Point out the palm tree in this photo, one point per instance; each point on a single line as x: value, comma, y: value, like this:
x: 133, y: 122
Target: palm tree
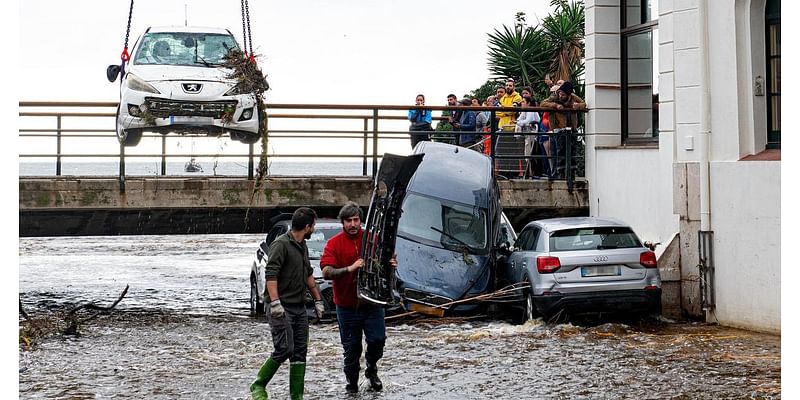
x: 522, y: 54
x: 555, y: 46
x: 564, y: 30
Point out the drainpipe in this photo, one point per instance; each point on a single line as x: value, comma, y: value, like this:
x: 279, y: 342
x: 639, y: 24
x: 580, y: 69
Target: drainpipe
x: 705, y: 236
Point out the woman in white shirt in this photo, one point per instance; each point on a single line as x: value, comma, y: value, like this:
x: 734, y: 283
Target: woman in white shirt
x: 528, y: 122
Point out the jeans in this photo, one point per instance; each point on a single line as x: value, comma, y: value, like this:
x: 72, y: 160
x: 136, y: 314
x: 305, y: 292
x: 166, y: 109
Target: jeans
x: 290, y: 334
x: 369, y: 320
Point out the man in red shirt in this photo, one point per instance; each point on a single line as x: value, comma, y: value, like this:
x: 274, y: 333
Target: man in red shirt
x: 340, y: 262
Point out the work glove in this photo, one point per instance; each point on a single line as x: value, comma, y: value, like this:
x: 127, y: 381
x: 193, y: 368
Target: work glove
x: 319, y: 308
x: 276, y: 309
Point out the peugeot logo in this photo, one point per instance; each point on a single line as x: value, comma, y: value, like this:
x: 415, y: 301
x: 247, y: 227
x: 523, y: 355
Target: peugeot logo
x: 192, y: 87
x: 601, y: 258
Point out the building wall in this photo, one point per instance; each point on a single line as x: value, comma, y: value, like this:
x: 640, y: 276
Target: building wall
x: 746, y: 220
x: 656, y: 189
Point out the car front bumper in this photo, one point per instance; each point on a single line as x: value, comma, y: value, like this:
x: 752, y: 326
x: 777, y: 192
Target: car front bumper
x: 164, y: 115
x: 596, y: 302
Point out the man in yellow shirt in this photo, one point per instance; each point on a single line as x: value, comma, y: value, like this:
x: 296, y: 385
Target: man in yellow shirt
x: 508, y: 100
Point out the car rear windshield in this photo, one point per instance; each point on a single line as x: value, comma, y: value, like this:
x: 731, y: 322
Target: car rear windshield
x: 316, y: 243
x: 184, y: 48
x: 599, y: 238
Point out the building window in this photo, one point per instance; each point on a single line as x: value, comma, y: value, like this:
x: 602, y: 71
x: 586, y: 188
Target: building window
x: 773, y: 35
x: 639, y: 40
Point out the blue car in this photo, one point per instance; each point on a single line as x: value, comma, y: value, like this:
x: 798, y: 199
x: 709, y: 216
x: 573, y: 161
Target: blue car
x: 451, y: 231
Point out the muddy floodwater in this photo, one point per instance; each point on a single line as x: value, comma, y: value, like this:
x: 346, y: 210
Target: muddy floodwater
x: 183, y: 331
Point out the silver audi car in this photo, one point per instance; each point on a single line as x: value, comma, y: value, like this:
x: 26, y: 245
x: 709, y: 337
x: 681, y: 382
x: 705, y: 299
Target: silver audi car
x: 581, y: 265
x: 175, y: 82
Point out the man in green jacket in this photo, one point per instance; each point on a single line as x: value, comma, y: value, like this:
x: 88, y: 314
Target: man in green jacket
x: 289, y: 273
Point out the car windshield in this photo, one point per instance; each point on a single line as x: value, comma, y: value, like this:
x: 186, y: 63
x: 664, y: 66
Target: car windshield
x: 443, y: 223
x: 183, y: 48
x: 316, y: 243
x: 599, y: 238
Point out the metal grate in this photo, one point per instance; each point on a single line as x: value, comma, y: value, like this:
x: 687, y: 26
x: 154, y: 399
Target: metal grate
x: 163, y: 108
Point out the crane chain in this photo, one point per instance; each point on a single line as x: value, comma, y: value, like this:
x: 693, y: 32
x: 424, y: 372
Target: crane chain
x: 244, y: 30
x: 125, y: 55
x: 249, y: 37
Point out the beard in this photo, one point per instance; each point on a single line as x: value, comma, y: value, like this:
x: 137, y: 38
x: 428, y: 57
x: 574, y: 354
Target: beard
x: 307, y: 235
x: 353, y: 231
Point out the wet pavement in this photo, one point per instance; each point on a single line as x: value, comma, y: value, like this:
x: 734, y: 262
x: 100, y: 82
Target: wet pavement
x: 183, y: 332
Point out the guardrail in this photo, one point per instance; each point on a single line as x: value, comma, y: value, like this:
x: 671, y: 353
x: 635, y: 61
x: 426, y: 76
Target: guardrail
x: 370, y: 128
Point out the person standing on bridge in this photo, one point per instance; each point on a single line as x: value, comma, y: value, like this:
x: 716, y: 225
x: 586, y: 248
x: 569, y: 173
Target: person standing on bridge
x: 420, y: 122
x: 340, y: 262
x: 289, y: 273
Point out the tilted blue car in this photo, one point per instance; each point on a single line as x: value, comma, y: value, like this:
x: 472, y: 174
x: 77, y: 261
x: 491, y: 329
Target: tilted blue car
x: 450, y: 232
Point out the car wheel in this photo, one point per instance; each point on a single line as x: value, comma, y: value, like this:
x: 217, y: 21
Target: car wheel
x: 128, y: 137
x: 529, y: 310
x: 256, y: 307
x: 530, y: 307
x: 246, y: 138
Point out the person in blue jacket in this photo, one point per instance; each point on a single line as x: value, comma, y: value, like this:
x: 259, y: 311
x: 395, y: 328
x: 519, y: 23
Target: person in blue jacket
x: 420, y: 122
x: 466, y: 123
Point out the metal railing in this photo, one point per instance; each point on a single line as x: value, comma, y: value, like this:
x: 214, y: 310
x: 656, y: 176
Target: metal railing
x: 373, y: 127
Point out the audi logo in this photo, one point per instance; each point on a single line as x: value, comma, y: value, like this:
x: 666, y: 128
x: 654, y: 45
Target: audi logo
x: 601, y: 258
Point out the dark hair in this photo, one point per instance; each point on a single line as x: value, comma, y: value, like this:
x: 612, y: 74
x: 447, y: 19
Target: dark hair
x: 349, y: 210
x: 528, y: 88
x: 566, y: 87
x: 530, y: 101
x: 303, y: 217
x: 420, y: 95
x: 452, y: 95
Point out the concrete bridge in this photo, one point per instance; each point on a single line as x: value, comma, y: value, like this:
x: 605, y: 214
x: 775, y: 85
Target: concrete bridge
x: 62, y: 206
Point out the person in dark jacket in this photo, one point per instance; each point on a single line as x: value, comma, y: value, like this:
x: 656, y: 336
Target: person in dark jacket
x: 289, y: 273
x: 466, y: 123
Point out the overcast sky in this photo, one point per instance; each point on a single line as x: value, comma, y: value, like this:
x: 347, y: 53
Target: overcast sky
x: 313, y: 51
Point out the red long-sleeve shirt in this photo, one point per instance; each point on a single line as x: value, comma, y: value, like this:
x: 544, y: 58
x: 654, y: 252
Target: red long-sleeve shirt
x: 341, y: 251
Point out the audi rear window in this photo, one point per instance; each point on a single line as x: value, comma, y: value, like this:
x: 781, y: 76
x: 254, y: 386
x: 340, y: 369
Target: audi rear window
x: 600, y: 238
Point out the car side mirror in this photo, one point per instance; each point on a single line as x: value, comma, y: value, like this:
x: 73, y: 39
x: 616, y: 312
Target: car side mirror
x: 505, y: 249
x: 112, y: 72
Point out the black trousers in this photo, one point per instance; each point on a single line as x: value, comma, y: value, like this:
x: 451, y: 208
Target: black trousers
x: 290, y: 334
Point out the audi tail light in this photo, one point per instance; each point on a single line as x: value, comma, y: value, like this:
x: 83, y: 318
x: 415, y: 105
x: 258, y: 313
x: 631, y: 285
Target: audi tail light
x: 648, y: 259
x: 547, y: 264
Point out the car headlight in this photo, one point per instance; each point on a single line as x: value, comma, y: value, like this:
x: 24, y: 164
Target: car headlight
x: 236, y: 89
x: 138, y: 84
x: 246, y: 114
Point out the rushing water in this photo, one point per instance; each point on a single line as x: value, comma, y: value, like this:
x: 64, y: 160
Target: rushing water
x: 183, y: 331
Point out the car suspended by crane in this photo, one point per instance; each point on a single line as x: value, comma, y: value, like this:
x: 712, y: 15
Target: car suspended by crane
x: 181, y: 79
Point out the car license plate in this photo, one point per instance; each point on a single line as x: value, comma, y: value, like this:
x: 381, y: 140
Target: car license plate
x: 603, y: 270
x: 191, y: 120
x: 436, y: 312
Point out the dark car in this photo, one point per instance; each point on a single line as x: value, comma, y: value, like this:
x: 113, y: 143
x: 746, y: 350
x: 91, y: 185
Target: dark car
x: 583, y: 265
x: 323, y: 230
x: 450, y: 232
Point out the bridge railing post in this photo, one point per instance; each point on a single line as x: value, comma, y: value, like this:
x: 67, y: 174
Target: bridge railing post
x: 58, y: 145
x: 163, y: 155
x: 366, y: 147
x: 374, y: 142
x: 250, y: 155
x: 121, y: 167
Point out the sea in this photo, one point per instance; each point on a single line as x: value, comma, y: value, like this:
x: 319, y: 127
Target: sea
x: 209, y: 168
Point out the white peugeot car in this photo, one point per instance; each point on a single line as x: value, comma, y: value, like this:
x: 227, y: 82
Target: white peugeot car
x: 175, y: 82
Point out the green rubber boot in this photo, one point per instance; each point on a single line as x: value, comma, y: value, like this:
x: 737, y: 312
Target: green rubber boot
x: 297, y: 379
x: 258, y: 390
